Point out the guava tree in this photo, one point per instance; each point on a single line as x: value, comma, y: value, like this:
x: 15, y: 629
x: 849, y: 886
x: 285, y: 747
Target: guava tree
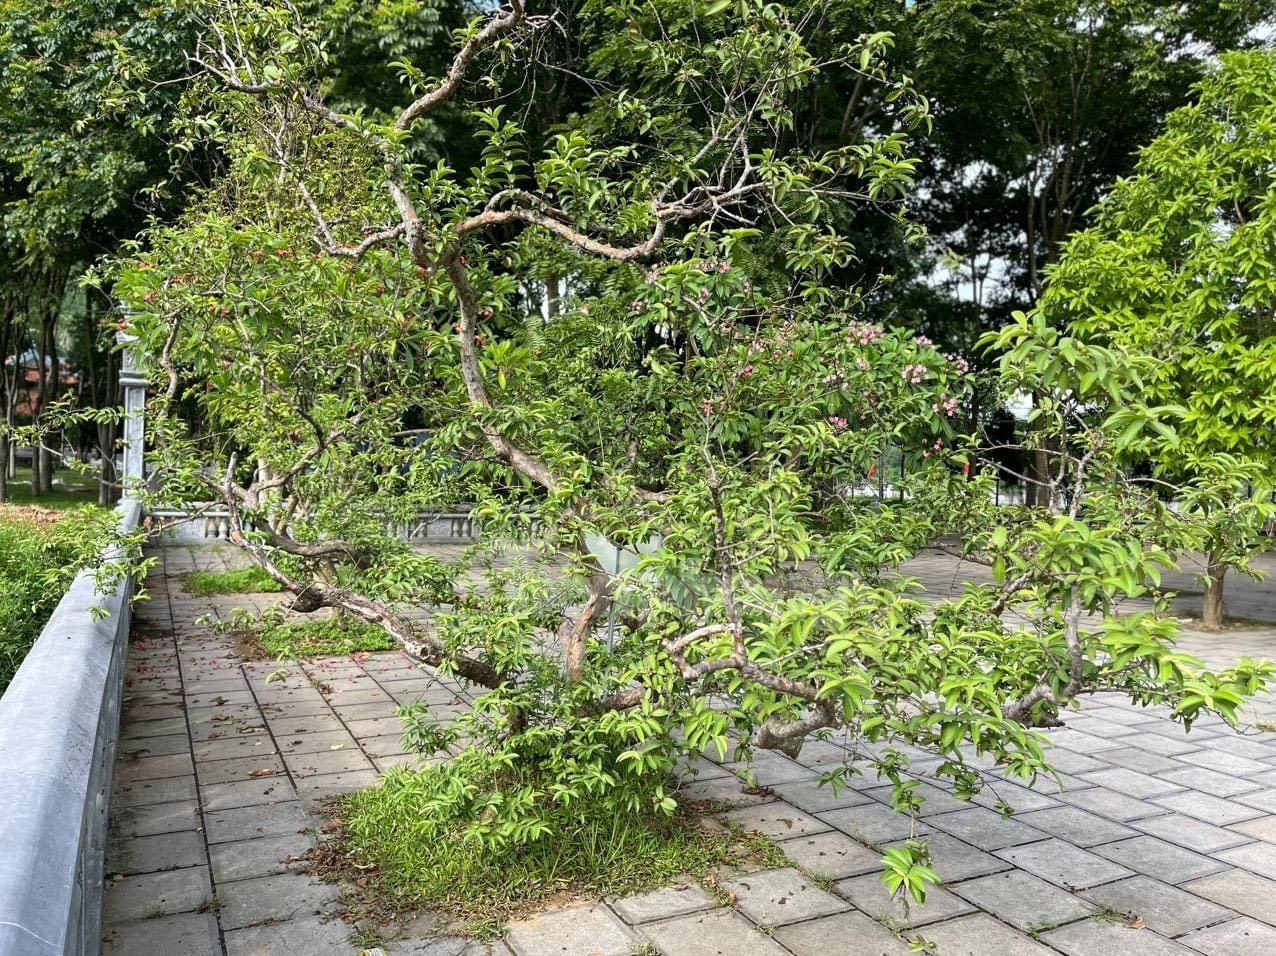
x: 1181, y: 265
x: 342, y: 338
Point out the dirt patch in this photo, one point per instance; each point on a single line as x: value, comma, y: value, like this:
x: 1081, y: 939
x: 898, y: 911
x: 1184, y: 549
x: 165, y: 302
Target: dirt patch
x: 42, y: 518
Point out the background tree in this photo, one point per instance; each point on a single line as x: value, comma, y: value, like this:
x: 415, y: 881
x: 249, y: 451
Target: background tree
x: 1181, y: 264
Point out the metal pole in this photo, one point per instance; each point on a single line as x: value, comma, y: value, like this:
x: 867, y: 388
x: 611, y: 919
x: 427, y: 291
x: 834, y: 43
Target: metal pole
x: 133, y: 381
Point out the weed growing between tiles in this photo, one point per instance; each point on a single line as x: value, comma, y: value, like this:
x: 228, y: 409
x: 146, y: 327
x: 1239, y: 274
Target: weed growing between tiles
x: 411, y: 844
x: 251, y: 580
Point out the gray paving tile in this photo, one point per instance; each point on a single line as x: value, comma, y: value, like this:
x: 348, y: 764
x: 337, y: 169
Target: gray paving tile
x: 129, y: 856
x: 586, y: 928
x: 255, y: 767
x: 1165, y: 909
x: 1207, y: 808
x: 670, y: 901
x: 1099, y: 938
x: 1259, y: 858
x: 263, y: 856
x: 307, y: 936
x: 1076, y: 826
x: 831, y: 855
x: 1131, y: 783
x: 979, y: 935
x: 842, y: 934
x: 1022, y: 900
x: 953, y: 860
x: 870, y: 896
x: 190, y: 934
x: 1192, y: 833
x: 1240, y: 937
x: 270, y: 898
x: 776, y: 897
x: 246, y: 823
x: 246, y: 793
x: 157, y: 894
x: 142, y: 793
x: 326, y: 762
x: 813, y: 798
x: 1114, y: 806
x: 1064, y: 864
x: 985, y: 829
x: 1155, y: 857
x: 873, y: 823
x: 1144, y: 761
x: 1210, y: 781
x: 778, y: 821
x: 1238, y: 890
x: 155, y: 818
x: 720, y: 932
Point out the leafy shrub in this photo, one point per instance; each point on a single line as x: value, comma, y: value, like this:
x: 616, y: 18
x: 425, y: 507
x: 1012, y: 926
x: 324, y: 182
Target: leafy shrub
x: 39, y: 556
x: 330, y: 637
x: 251, y: 580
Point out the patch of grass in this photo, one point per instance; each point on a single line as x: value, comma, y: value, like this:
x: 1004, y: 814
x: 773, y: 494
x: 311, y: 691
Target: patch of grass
x: 250, y: 580
x: 328, y: 637
x: 392, y: 847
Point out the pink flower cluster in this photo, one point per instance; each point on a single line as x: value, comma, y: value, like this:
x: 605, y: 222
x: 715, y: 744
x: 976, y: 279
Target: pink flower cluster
x: 637, y: 306
x: 913, y: 373
x: 721, y: 268
x: 864, y: 333
x: 934, y: 449
x: 947, y: 405
x: 839, y: 424
x: 923, y: 340
x: 958, y: 362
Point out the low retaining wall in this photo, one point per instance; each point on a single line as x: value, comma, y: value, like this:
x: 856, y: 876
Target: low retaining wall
x: 59, y: 726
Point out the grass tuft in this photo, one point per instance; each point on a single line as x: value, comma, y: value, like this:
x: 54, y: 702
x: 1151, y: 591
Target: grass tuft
x: 328, y: 637
x: 251, y: 580
x: 392, y: 845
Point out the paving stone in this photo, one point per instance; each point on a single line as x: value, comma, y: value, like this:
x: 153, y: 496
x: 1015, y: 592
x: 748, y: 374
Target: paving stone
x: 133, y: 727
x: 328, y: 785
x: 1238, y: 890
x: 777, y: 821
x: 158, y: 746
x: 873, y: 823
x: 143, y: 793
x: 285, y: 725
x: 256, y: 767
x: 953, y: 859
x: 1020, y: 799
x: 1224, y: 762
x: 1076, y: 826
x: 870, y: 896
x: 1069, y: 761
x: 663, y: 903
x: 842, y: 934
x: 313, y: 743
x: 1211, y: 781
x: 1259, y: 858
x: 302, y: 937
x: 728, y: 789
x: 1165, y: 909
x: 157, y: 894
x: 980, y: 935
x: 448, y: 946
x: 190, y: 934
x: 830, y: 855
x: 1239, y: 937
x: 1192, y: 833
x: 388, y: 745
x: 1263, y: 828
x: 263, y: 856
x: 1022, y: 900
x: 776, y: 897
x: 720, y: 932
x: 246, y: 823
x: 1209, y: 808
x: 1091, y: 937
x: 1264, y: 800
x: 587, y: 928
x: 1144, y: 761
x: 1131, y: 783
x: 1064, y: 864
x: 129, y: 856
x: 285, y: 897
x: 246, y: 793
x: 1114, y: 806
x: 234, y: 746
x: 156, y: 818
x: 326, y: 762
x: 1082, y: 743
x: 985, y: 828
x: 935, y: 800
x: 1155, y: 857
x: 808, y: 795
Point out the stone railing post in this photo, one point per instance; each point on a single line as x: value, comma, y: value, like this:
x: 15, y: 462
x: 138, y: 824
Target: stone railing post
x: 133, y: 382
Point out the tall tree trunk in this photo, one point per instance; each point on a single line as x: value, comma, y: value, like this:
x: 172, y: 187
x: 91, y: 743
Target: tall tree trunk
x: 53, y: 382
x: 1212, y: 614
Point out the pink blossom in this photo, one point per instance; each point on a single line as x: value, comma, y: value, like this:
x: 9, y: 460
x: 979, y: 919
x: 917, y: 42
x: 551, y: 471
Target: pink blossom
x: 839, y: 424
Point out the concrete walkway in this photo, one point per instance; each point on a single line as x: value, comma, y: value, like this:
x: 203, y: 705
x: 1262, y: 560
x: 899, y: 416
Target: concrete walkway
x: 1158, y: 842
